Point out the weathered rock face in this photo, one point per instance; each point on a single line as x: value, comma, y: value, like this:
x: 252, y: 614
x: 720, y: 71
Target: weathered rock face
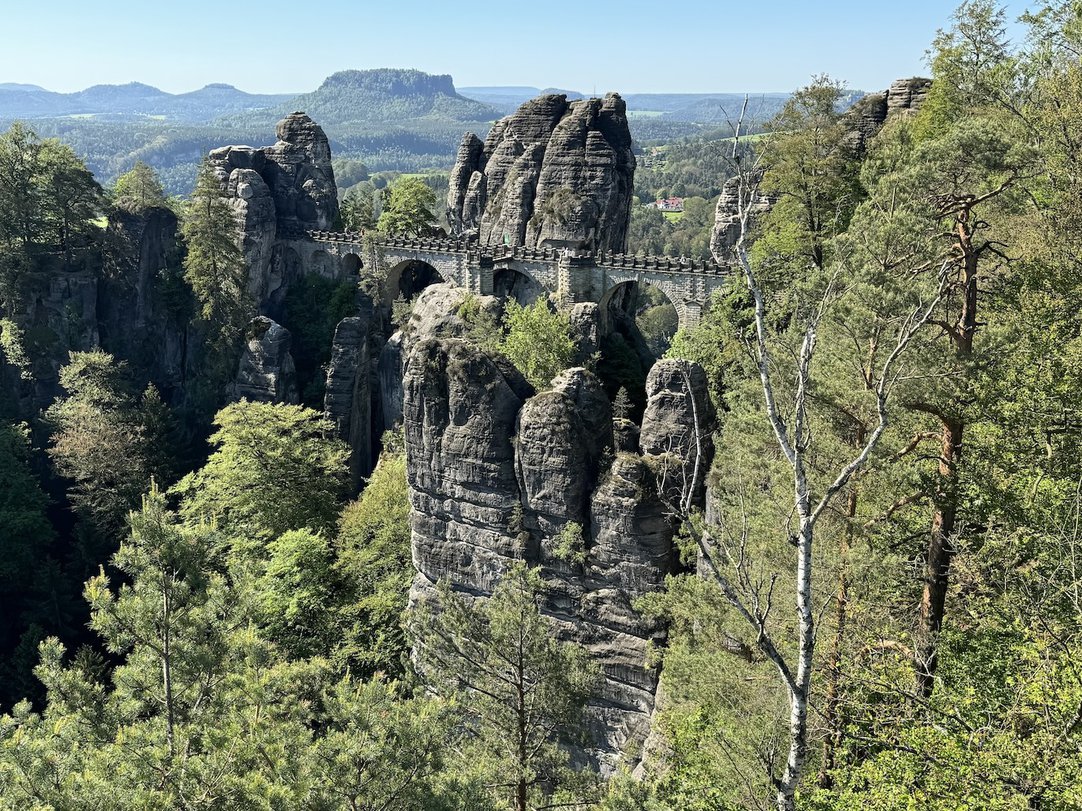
x: 266, y: 372
x: 349, y: 394
x: 389, y: 369
x: 677, y: 430
x: 499, y: 473
x: 554, y: 173
x: 434, y: 315
x: 275, y: 191
x: 905, y: 96
x: 126, y: 298
x: 60, y: 316
x: 135, y: 317
x: 256, y: 214
x: 865, y: 119
x: 300, y: 176
x: 561, y: 436
x: 459, y: 417
x: 466, y: 203
x: 869, y: 114
x: 727, y: 217
x: 586, y: 330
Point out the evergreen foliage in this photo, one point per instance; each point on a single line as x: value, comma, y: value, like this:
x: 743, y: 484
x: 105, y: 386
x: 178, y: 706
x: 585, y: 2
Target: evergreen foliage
x: 374, y: 556
x: 214, y: 266
x: 275, y: 468
x: 138, y: 190
x: 48, y: 203
x: 524, y: 688
x: 108, y: 439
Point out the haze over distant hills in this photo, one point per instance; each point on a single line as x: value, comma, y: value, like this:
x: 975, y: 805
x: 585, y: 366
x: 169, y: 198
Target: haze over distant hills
x: 131, y: 100
x: 392, y: 119
x: 697, y: 108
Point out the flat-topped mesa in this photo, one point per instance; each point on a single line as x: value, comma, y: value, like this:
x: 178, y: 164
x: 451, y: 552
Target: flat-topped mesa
x: 552, y: 174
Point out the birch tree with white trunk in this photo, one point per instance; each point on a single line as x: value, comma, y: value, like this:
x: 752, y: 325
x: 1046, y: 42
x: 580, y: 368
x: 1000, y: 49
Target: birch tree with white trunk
x: 723, y: 553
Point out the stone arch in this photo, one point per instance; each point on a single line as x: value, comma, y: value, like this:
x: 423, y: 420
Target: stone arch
x: 654, y: 308
x: 323, y: 264
x: 513, y: 282
x: 351, y: 265
x: 409, y: 277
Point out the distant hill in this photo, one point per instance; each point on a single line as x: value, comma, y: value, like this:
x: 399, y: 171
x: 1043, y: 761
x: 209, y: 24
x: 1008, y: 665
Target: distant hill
x: 507, y: 99
x: 707, y: 108
x: 391, y: 119
x: 659, y: 115
x: 16, y: 86
x: 132, y: 101
x: 361, y: 98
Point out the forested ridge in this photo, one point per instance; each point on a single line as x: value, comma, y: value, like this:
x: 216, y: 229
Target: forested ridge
x: 878, y: 608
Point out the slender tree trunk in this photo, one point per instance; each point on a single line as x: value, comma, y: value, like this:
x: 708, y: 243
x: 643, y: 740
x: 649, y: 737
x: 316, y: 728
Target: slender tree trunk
x: 800, y: 689
x: 832, y: 710
x: 940, y: 552
x: 940, y: 542
x: 521, y: 743
x: 167, y: 674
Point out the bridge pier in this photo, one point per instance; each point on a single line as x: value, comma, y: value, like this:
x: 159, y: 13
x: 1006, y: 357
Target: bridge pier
x: 481, y: 277
x: 692, y: 315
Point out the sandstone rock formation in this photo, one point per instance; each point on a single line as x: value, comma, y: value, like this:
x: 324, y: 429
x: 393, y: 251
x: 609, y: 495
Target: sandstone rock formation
x: 870, y: 113
x: 349, y: 390
x: 586, y: 330
x: 905, y: 96
x: 126, y: 307
x: 727, y: 216
x: 276, y: 191
x: 554, y: 173
x: 434, y: 315
x: 300, y: 176
x: 864, y: 119
x: 266, y: 372
x: 136, y: 317
x: 499, y: 473
x: 677, y: 431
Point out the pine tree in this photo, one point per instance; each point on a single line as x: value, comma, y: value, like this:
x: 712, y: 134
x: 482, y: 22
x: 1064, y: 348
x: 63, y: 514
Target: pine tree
x: 108, y: 438
x: 214, y: 265
x: 524, y: 688
x: 139, y: 189
x: 169, y: 619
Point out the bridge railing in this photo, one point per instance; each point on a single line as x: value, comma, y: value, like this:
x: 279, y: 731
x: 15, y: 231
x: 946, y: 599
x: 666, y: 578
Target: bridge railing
x: 661, y: 264
x: 474, y: 252
x: 441, y: 245
x: 526, y: 254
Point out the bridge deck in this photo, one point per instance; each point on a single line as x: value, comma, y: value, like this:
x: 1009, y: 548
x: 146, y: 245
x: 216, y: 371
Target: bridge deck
x: 447, y: 245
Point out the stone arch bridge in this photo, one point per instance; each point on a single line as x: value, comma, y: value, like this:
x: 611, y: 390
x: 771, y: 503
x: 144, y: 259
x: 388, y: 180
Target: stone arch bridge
x: 572, y: 276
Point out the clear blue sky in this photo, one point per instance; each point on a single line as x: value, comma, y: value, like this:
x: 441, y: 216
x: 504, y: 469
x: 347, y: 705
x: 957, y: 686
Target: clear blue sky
x: 630, y: 46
